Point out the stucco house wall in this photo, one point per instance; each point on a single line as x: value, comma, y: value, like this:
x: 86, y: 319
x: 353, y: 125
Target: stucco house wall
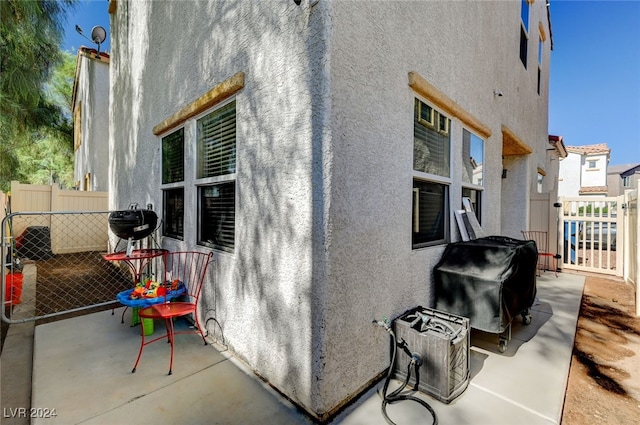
x: 324, y: 160
x: 570, y: 176
x: 595, y: 176
x: 91, y: 120
x: 621, y: 178
x: 584, y: 171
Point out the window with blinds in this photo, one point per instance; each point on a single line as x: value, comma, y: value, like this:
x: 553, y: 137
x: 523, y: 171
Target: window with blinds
x: 217, y: 162
x: 430, y: 143
x: 431, y: 155
x: 173, y: 157
x: 430, y: 214
x: 172, y: 196
x: 217, y: 216
x: 217, y: 142
x: 173, y: 210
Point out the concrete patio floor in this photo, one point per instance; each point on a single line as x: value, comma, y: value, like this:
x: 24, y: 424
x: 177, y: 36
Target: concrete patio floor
x: 82, y: 369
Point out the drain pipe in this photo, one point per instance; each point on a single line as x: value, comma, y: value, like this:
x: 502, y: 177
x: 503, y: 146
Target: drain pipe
x: 415, y: 363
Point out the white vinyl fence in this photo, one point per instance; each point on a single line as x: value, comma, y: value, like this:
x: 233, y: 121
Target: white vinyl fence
x: 632, y: 242
x: 27, y: 198
x: 593, y: 234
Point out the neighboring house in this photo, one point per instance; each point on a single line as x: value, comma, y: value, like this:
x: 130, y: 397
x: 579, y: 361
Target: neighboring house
x: 584, y: 171
x: 90, y: 105
x: 320, y: 151
x: 622, y: 177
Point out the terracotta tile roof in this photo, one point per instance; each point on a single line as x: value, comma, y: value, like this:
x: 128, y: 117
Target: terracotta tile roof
x: 589, y: 149
x: 558, y: 144
x: 93, y: 53
x: 593, y: 189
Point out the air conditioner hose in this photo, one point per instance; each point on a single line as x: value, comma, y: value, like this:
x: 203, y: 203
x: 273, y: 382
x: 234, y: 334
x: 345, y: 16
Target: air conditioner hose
x: 395, y: 396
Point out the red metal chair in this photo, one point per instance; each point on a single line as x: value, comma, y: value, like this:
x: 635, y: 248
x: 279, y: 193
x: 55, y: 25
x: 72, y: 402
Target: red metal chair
x: 542, y: 244
x: 190, y: 268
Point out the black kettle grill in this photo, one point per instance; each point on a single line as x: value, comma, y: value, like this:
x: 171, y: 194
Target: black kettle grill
x: 132, y: 224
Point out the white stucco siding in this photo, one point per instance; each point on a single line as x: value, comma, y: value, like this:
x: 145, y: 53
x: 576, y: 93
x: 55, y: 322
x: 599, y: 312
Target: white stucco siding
x: 596, y: 176
x: 324, y: 161
x: 92, y: 96
x: 167, y: 54
x: 525, y: 112
x: 466, y: 50
x: 570, y: 175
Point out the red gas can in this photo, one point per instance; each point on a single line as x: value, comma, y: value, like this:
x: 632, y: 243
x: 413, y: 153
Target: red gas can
x: 13, y: 288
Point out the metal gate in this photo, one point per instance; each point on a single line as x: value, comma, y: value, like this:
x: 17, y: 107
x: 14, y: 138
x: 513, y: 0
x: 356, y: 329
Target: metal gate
x: 632, y: 242
x: 53, y: 265
x: 592, y: 236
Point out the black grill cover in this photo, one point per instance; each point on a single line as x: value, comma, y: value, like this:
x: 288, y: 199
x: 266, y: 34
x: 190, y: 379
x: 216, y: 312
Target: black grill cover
x: 488, y: 280
x: 35, y: 243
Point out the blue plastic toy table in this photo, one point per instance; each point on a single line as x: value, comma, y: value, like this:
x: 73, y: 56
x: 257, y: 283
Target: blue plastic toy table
x: 136, y: 304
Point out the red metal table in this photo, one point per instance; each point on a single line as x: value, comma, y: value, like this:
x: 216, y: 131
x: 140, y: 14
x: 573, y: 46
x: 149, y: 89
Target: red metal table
x: 138, y: 259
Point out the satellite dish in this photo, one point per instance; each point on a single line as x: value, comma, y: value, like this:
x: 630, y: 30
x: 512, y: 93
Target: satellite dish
x: 98, y: 34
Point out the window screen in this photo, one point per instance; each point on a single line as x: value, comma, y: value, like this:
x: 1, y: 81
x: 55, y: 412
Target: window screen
x: 217, y: 142
x: 173, y: 157
x: 430, y: 145
x: 430, y: 215
x: 217, y: 216
x: 173, y: 207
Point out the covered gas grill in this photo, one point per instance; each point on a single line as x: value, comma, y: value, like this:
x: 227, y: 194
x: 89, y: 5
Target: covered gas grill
x: 489, y: 280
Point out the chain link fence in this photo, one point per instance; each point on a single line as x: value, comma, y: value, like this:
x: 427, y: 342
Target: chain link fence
x: 54, y: 267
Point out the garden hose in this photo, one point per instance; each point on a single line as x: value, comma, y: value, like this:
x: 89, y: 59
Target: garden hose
x: 396, y: 395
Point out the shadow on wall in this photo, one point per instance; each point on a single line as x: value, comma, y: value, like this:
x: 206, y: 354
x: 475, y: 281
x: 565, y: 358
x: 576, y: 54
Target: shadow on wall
x: 281, y: 210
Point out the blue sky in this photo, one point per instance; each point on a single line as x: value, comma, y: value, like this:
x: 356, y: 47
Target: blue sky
x: 595, y: 75
x: 595, y: 70
x: 87, y: 14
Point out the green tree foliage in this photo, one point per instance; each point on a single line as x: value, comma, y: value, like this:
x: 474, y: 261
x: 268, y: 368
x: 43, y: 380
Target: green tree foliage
x: 30, y: 35
x: 47, y: 155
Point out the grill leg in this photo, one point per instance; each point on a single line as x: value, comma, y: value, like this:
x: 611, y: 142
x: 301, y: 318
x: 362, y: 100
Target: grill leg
x: 505, y: 337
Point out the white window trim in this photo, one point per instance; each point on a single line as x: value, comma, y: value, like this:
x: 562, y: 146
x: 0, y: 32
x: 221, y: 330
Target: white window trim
x: 199, y: 183
x: 175, y: 185
x: 434, y: 178
x: 458, y: 118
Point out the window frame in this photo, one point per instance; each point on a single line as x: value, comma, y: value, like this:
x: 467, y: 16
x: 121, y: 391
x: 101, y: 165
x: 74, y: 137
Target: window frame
x: 167, y: 225
x: 425, y: 92
x: 540, y: 54
x: 230, y: 248
x: 162, y: 170
x: 477, y: 205
x: 445, y: 215
x: 539, y: 182
x: 172, y: 186
x: 478, y: 188
x: 425, y: 178
x: 524, y: 31
x: 437, y: 131
x: 525, y: 14
x: 202, y: 183
x: 472, y: 135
